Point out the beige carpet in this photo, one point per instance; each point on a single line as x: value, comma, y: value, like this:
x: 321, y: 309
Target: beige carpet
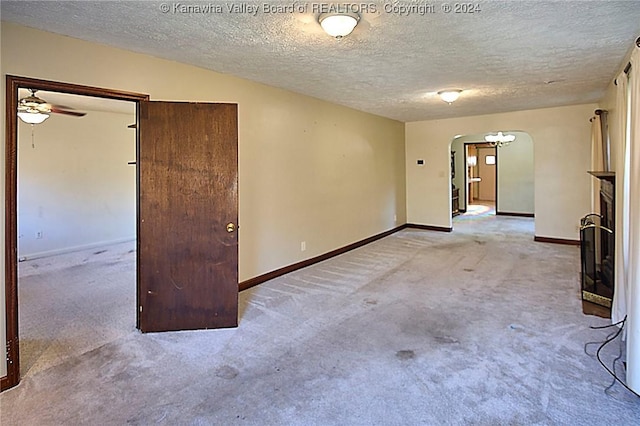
x: 73, y: 303
x: 479, y: 326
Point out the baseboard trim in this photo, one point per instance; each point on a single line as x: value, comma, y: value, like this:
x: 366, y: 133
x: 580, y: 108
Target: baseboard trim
x: 252, y: 282
x: 4, y: 383
x: 515, y: 214
x: 429, y: 227
x: 556, y: 241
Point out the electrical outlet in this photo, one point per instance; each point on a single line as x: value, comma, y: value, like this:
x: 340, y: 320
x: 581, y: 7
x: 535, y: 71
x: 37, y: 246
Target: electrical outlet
x: 38, y: 235
x: 303, y: 246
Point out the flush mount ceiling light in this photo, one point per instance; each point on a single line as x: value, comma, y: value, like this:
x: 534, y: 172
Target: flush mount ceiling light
x: 338, y: 25
x: 450, y: 95
x: 500, y: 139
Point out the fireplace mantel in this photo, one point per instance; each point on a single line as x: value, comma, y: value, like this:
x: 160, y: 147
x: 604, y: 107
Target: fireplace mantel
x: 608, y: 176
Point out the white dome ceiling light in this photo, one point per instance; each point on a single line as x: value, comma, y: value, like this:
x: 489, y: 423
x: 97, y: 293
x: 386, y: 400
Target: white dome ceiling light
x: 338, y: 25
x: 450, y: 95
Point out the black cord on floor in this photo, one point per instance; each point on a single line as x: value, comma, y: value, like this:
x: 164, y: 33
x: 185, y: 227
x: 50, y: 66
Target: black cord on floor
x: 616, y: 359
x: 609, y: 339
x: 600, y: 327
x: 593, y: 327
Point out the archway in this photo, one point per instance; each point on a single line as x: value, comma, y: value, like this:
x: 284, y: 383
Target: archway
x: 514, y: 172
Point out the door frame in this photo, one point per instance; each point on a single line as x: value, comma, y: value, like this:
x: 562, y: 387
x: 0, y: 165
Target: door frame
x: 13, y: 83
x: 479, y: 150
x: 466, y: 175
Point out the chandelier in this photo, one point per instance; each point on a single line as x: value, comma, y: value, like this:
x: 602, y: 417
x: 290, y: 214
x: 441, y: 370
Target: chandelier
x: 500, y: 139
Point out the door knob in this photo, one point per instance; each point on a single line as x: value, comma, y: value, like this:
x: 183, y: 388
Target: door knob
x: 231, y: 227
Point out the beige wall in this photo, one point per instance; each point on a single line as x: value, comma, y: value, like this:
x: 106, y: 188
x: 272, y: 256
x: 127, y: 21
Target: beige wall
x: 561, y: 144
x: 75, y: 186
x: 308, y: 170
x: 516, y: 176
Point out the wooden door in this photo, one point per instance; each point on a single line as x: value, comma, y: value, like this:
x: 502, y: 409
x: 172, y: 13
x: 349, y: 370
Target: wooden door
x: 188, y: 210
x: 487, y: 172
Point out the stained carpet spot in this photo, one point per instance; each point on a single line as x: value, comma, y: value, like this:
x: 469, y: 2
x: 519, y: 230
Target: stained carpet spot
x: 227, y: 372
x: 405, y: 355
x: 445, y: 339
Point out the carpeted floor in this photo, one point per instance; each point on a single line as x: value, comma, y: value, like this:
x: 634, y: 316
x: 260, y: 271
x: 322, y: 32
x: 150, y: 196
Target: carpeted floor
x: 478, y: 326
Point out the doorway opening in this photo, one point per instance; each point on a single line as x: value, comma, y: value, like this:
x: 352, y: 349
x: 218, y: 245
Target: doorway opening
x: 480, y: 176
x: 187, y: 278
x: 14, y: 84
x: 490, y: 178
x: 76, y: 228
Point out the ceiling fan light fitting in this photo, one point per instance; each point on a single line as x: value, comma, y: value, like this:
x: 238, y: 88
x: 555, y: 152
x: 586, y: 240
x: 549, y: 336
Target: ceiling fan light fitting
x: 32, y: 103
x: 32, y: 117
x: 34, y: 110
x: 338, y: 25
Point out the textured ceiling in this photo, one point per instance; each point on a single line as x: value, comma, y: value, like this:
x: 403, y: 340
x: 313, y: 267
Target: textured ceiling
x: 507, y: 55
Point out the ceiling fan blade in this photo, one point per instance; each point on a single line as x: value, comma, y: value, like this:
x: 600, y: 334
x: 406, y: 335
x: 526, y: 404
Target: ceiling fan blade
x: 67, y: 112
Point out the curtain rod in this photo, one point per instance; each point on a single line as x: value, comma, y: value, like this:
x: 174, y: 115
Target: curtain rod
x: 626, y: 71
x: 602, y: 112
x: 628, y: 67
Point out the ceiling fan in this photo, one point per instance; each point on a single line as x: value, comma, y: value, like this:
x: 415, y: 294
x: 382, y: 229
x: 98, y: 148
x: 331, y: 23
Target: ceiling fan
x: 34, y: 110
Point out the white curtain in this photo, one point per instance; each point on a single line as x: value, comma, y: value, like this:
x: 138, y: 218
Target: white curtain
x: 633, y: 238
x: 619, y: 305
x: 597, y: 162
